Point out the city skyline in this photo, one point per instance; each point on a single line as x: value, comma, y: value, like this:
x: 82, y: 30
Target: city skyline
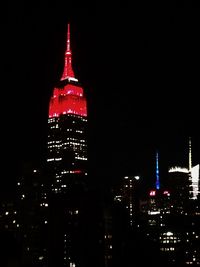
x: 133, y: 68
x: 100, y: 137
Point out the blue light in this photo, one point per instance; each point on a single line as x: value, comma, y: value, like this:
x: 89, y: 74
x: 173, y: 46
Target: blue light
x: 157, y: 173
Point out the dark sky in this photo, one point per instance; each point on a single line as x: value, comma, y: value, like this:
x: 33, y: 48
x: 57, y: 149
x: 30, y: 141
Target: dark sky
x: 139, y: 66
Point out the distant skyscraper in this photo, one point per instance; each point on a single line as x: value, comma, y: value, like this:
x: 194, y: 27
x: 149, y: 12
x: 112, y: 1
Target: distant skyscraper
x: 127, y: 195
x: 157, y: 173
x: 32, y: 217
x: 67, y: 165
x: 190, y: 168
x: 193, y: 175
x: 179, y: 186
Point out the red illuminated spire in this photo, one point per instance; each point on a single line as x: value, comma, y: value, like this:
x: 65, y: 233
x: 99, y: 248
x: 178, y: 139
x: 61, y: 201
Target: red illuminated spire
x: 68, y: 71
x: 68, y: 98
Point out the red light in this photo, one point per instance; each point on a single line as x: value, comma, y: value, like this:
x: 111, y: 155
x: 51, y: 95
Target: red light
x: 152, y: 193
x: 68, y: 100
x: 68, y: 71
x: 166, y: 193
x: 77, y: 171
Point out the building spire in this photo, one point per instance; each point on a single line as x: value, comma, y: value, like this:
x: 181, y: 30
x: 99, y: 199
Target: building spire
x: 68, y: 71
x: 190, y: 154
x: 157, y: 173
x: 68, y: 38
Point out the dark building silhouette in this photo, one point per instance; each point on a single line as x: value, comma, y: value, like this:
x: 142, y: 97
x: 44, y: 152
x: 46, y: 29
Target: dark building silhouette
x: 10, y: 246
x: 32, y: 217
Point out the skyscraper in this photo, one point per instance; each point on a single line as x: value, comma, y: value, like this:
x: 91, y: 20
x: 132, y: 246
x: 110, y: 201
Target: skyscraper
x: 157, y: 173
x: 67, y: 165
x: 67, y: 123
x: 32, y: 217
x: 193, y: 172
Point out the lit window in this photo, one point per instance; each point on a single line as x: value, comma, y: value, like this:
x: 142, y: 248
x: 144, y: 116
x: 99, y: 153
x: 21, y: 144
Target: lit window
x: 169, y: 233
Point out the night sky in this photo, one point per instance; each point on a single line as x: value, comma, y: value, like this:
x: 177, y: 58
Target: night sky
x: 139, y: 66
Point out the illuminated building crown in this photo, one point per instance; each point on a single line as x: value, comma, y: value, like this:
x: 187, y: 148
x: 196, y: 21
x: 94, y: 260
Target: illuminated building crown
x: 68, y: 96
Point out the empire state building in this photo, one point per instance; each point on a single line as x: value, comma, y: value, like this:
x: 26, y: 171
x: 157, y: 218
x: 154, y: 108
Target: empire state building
x: 67, y: 165
x: 67, y: 128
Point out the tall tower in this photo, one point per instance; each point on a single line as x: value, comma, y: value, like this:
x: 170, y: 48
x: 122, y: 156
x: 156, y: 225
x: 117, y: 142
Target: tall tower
x: 67, y: 123
x: 67, y: 165
x: 157, y: 173
x: 194, y: 175
x: 190, y: 168
x: 190, y: 154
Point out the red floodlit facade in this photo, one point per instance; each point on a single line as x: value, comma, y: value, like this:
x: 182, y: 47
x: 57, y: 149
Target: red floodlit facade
x: 68, y: 100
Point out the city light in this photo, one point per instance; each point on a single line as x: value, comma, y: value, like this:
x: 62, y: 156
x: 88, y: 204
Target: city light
x: 152, y: 193
x: 178, y: 169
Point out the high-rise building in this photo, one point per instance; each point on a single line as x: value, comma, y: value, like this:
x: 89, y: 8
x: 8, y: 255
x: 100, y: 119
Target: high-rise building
x: 31, y: 216
x: 121, y: 213
x: 9, y: 233
x: 157, y: 173
x: 67, y: 123
x: 195, y: 174
x: 179, y: 185
x: 128, y: 196
x: 184, y: 183
x: 67, y: 165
